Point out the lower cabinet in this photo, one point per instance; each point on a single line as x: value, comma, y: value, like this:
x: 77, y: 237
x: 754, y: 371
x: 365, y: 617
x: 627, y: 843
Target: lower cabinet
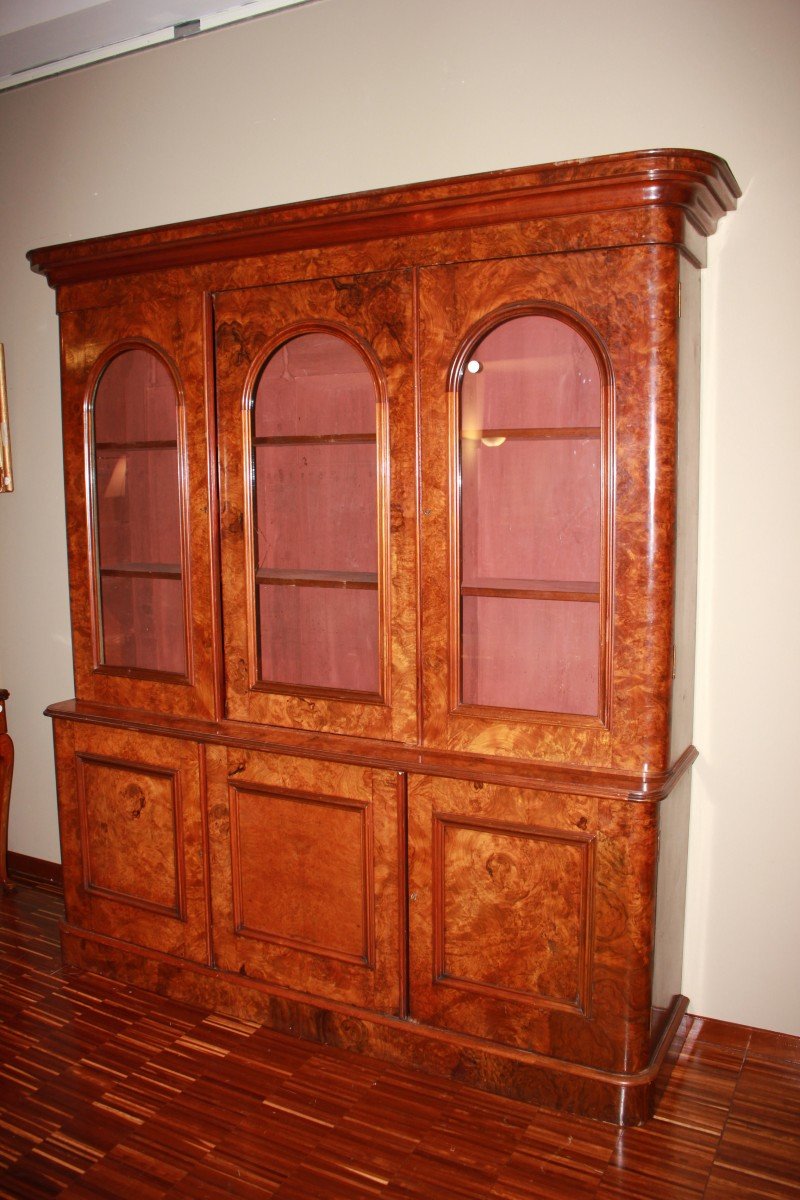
x: 306, y: 875
x: 132, y: 838
x: 495, y: 933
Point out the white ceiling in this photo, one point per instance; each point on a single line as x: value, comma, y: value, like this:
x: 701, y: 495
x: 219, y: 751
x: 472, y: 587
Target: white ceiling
x: 43, y: 37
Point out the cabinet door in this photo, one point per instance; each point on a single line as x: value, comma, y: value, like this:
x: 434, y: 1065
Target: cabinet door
x: 530, y: 918
x: 137, y: 506
x: 316, y: 431
x: 546, y: 402
x: 305, y: 870
x: 132, y: 839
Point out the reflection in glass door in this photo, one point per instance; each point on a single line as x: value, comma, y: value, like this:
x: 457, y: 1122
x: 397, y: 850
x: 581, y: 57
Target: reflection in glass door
x: 315, y: 520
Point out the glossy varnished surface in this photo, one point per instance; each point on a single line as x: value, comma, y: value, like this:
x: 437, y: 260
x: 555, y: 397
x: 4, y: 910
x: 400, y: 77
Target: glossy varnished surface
x: 108, y: 1092
x: 176, y: 328
x: 684, y: 192
x: 235, y: 841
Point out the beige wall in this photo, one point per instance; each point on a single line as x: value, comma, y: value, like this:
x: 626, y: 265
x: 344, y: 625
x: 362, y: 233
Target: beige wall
x: 342, y: 95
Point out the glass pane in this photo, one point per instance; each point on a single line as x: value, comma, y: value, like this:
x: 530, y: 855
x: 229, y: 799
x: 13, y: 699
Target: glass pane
x: 532, y: 654
x: 319, y: 636
x: 531, y: 518
x: 531, y: 509
x: 315, y: 384
x: 316, y: 507
x: 316, y: 517
x: 137, y: 515
x: 531, y: 372
x: 143, y: 622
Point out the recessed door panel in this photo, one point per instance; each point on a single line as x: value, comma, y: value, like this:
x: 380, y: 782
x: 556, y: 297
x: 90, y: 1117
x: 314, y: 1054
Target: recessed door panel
x: 530, y: 918
x: 306, y: 875
x: 131, y: 830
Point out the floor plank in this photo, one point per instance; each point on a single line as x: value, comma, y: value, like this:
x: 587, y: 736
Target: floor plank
x: 107, y: 1093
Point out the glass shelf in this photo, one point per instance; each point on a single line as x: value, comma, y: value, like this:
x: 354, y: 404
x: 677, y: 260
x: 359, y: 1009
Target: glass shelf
x: 535, y: 589
x: 141, y: 570
x: 325, y: 579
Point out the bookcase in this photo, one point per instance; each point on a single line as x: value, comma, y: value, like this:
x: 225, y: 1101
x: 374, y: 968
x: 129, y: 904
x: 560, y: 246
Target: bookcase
x: 382, y: 541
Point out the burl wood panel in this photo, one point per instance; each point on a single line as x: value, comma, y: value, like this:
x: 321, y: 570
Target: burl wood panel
x: 306, y: 875
x: 311, y: 847
x: 138, y: 808
x: 176, y: 329
x: 511, y: 910
x: 375, y: 313
x: 531, y: 919
x: 629, y: 300
x: 132, y: 837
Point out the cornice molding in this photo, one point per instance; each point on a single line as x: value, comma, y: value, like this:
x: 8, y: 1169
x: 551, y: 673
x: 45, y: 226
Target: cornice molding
x: 699, y: 185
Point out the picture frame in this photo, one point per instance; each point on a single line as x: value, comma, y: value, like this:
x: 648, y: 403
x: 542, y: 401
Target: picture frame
x: 6, y: 469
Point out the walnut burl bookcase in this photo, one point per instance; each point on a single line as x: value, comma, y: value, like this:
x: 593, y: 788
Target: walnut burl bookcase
x: 382, y: 541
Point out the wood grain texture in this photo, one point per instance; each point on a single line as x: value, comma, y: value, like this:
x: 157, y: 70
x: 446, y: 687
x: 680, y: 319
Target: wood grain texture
x: 305, y: 875
x: 560, y: 885
x: 89, y: 340
x: 375, y: 312
x: 132, y: 838
x: 629, y: 299
x: 649, y: 787
x: 693, y: 188
x: 366, y: 859
x: 107, y: 1091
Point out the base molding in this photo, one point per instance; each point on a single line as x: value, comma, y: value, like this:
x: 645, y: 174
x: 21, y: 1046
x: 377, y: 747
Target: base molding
x: 522, y: 1075
x: 39, y: 871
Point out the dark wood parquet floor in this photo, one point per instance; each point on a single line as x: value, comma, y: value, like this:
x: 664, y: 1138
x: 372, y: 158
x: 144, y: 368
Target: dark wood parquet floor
x: 108, y: 1092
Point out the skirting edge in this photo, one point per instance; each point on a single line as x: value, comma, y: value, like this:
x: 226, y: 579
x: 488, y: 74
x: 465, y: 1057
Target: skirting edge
x: 522, y: 1075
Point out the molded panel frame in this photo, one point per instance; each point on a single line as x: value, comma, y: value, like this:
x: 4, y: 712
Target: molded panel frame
x: 365, y: 883
x: 371, y: 976
x: 103, y: 362
x: 134, y: 797
x: 582, y: 846
x: 173, y: 327
x: 375, y: 313
x: 635, y: 336
x: 179, y: 925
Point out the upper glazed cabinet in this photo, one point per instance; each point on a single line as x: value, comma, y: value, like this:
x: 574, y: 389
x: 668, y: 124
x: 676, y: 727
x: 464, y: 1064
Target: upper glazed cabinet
x: 422, y: 491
